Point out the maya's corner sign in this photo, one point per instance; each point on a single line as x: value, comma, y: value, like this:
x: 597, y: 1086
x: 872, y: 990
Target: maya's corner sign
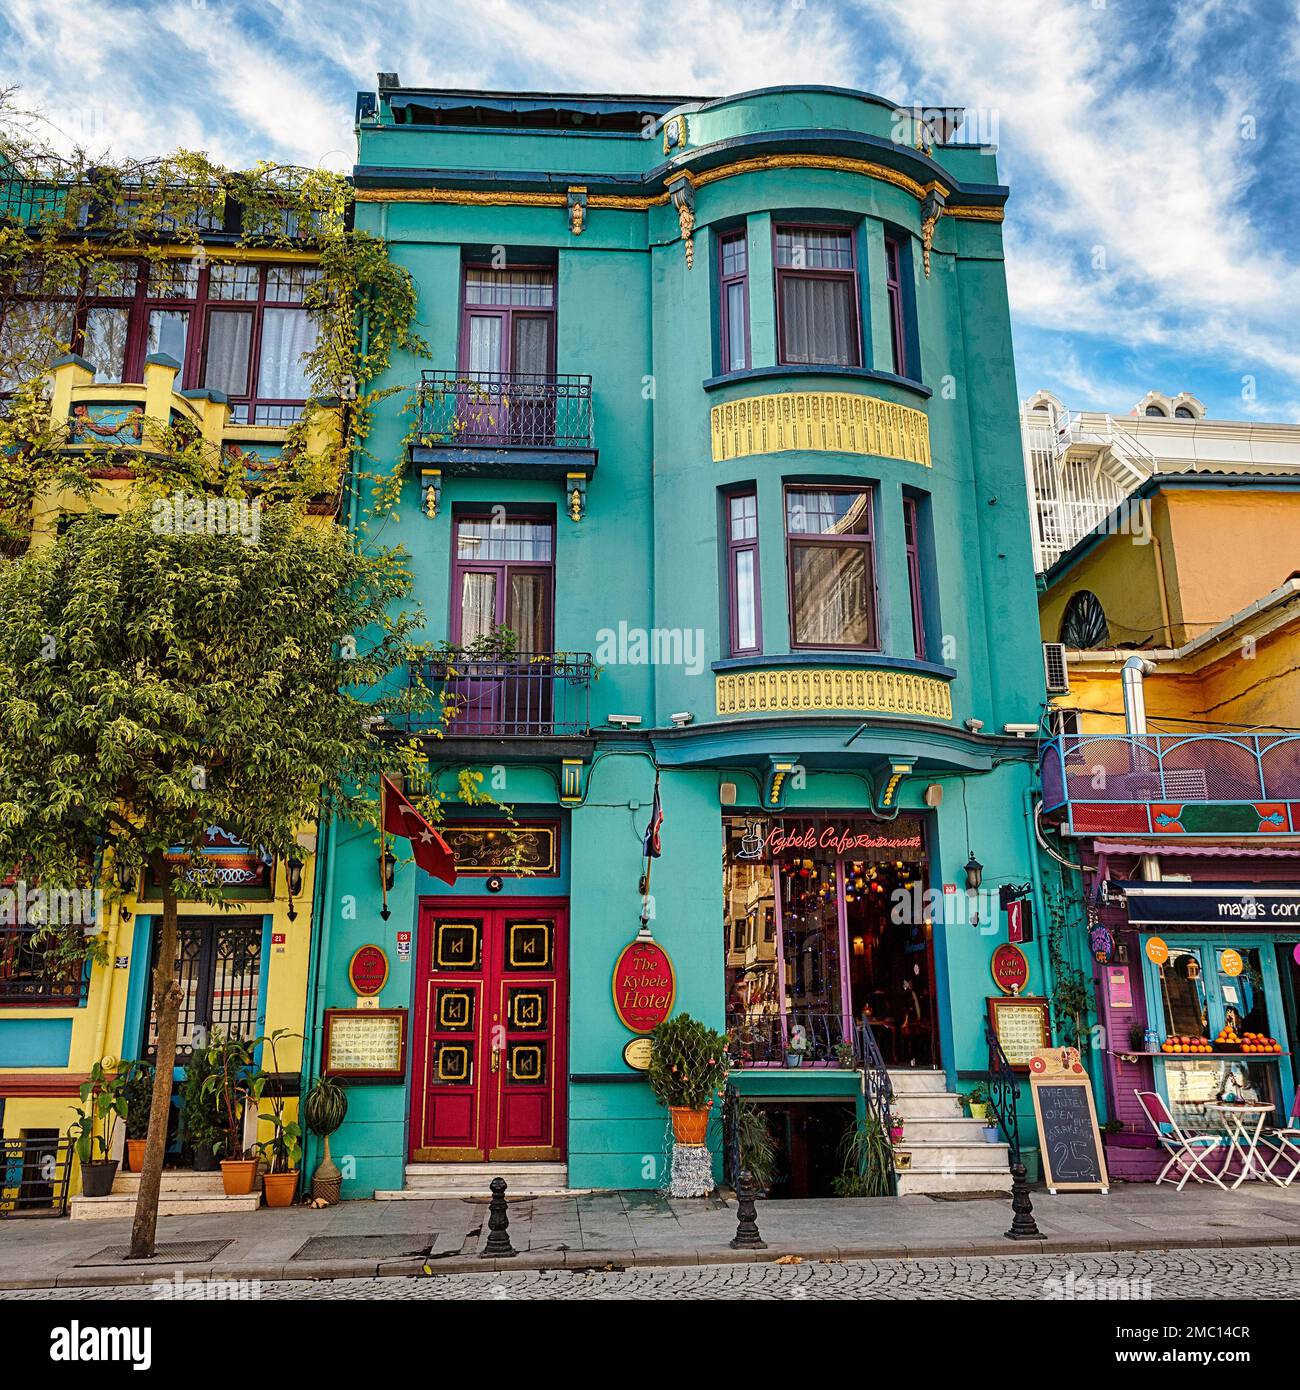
x: 644, y: 986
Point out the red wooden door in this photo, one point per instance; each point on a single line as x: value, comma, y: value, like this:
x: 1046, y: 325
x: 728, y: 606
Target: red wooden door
x: 490, y: 1031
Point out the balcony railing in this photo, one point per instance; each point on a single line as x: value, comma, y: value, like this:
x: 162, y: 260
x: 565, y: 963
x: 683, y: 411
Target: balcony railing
x: 34, y: 1175
x: 526, y: 695
x: 760, y: 1040
x: 505, y: 410
x: 27, y: 976
x: 1163, y: 775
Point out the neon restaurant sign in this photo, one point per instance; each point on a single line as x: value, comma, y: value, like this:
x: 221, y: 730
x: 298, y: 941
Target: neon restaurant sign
x: 784, y: 839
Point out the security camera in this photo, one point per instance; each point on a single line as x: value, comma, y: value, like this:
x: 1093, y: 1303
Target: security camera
x: 625, y: 721
x: 682, y: 718
x: 1020, y: 730
x: 974, y: 725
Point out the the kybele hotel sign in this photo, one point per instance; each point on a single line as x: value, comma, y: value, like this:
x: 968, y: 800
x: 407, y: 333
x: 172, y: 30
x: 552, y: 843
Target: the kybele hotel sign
x: 644, y: 986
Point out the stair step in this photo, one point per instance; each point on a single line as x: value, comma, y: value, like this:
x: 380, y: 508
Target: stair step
x: 173, y: 1180
x: 928, y: 1105
x: 921, y: 1183
x: 910, y: 1081
x: 122, y: 1204
x: 428, y: 1180
x: 933, y: 1155
x: 948, y: 1129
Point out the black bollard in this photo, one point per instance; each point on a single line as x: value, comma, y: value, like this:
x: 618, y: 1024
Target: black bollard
x: 1023, y: 1226
x: 498, y: 1242
x: 747, y: 1236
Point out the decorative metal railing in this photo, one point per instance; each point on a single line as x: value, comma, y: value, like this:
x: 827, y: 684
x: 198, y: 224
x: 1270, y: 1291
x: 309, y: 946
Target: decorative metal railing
x: 29, y: 976
x: 516, y: 410
x: 1004, y: 1093
x: 34, y: 1175
x: 877, y: 1089
x: 763, y: 1040
x: 528, y: 694
x: 1170, y: 768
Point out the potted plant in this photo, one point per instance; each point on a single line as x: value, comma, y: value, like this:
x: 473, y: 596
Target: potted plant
x: 324, y: 1108
x: 754, y: 1139
x: 895, y: 1129
x: 103, y: 1103
x: 796, y: 1046
x: 977, y: 1101
x: 992, y: 1133
x: 283, y: 1149
x: 137, y: 1087
x: 688, y: 1065
x: 845, y: 1056
x: 200, y: 1120
x: 868, y: 1161
x: 233, y: 1082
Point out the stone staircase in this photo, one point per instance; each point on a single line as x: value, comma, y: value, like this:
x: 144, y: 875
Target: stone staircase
x: 949, y: 1151
x: 183, y: 1193
x: 458, y: 1180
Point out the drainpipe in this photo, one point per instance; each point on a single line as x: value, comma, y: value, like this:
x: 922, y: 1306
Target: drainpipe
x: 1135, y: 725
x: 317, y: 961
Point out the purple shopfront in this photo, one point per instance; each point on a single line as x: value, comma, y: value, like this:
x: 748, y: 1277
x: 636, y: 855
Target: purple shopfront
x: 1206, y: 951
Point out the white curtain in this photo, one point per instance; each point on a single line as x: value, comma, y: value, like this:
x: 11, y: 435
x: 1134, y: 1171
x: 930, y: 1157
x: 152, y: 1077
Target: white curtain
x: 286, y: 335
x: 817, y: 321
x: 478, y: 606
x: 229, y: 334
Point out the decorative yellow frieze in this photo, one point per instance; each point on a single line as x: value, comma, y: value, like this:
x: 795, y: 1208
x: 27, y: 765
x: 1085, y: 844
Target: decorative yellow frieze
x: 830, y: 421
x: 830, y: 688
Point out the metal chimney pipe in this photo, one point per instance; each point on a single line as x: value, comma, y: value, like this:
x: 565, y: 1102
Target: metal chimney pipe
x: 1135, y: 704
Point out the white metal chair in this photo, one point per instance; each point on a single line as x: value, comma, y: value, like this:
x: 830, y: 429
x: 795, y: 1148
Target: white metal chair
x: 1285, y: 1141
x: 1187, y: 1152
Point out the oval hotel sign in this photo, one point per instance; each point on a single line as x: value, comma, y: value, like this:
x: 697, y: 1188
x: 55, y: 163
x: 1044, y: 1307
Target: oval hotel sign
x: 644, y: 986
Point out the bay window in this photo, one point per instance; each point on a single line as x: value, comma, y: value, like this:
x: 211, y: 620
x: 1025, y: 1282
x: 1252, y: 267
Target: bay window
x: 734, y: 285
x: 817, y: 297
x: 239, y: 328
x: 912, y: 543
x: 831, y: 567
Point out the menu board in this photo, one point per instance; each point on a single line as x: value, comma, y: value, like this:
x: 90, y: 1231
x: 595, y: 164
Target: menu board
x: 365, y: 1043
x: 1068, y: 1138
x: 1023, y: 1025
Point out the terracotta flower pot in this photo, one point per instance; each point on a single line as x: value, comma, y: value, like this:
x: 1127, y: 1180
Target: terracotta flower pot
x: 135, y: 1155
x: 238, y: 1176
x: 279, y: 1188
x: 690, y: 1126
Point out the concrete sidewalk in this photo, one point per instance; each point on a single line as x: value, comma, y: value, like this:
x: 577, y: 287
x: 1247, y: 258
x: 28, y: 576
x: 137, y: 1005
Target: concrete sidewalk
x: 366, y: 1239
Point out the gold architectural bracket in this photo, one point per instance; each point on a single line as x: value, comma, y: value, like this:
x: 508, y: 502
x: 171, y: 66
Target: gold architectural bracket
x: 682, y: 193
x: 932, y: 210
x: 577, y: 209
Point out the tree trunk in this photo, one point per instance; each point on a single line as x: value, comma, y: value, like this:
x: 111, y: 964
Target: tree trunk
x: 167, y: 1003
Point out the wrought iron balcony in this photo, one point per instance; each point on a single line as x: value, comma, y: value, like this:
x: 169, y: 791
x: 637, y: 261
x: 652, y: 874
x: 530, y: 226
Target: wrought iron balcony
x: 525, y: 695
x: 1173, y: 784
x: 475, y: 411
x: 28, y: 976
x: 761, y: 1040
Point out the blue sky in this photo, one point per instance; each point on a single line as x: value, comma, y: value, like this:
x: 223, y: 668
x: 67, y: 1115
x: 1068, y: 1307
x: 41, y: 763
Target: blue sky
x: 1149, y: 144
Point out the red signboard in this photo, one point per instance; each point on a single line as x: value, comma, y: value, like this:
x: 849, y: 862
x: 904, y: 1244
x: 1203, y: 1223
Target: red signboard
x: 368, y: 970
x: 1010, y: 969
x: 644, y: 986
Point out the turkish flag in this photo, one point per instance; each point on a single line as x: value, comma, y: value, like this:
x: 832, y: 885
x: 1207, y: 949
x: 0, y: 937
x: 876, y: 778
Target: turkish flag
x: 431, y: 851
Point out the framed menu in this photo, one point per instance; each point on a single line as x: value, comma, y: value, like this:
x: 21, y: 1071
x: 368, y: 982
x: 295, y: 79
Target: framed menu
x: 365, y: 1044
x: 1023, y: 1025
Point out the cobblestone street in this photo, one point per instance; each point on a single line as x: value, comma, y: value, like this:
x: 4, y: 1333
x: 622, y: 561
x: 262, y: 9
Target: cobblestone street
x: 1257, y: 1274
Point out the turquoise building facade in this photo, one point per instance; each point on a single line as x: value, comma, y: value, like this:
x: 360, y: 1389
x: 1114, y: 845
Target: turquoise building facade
x: 713, y: 477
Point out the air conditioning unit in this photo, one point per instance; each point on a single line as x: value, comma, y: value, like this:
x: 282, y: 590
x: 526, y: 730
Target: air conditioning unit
x: 1054, y: 668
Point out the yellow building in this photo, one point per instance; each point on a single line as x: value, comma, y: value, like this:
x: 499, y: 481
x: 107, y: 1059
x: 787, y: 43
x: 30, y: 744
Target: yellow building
x: 211, y: 344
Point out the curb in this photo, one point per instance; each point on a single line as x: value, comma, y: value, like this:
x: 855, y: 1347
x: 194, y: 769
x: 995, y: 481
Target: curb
x: 596, y: 1261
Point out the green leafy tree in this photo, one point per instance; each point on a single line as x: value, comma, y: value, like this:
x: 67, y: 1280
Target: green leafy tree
x: 153, y: 684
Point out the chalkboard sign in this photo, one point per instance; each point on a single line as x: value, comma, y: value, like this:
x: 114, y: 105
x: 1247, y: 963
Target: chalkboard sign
x: 1068, y: 1138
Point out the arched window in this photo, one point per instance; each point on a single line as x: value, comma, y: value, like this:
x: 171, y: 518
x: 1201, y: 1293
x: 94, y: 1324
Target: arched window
x: 1183, y: 412
x: 1083, y: 624
x: 1156, y: 410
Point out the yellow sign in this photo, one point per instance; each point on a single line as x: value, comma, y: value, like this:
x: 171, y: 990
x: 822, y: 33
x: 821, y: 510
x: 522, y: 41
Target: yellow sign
x: 1157, y: 950
x: 1230, y: 962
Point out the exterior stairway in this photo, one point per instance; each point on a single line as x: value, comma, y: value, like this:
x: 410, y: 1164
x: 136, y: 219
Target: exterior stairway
x: 183, y: 1193
x: 949, y: 1151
